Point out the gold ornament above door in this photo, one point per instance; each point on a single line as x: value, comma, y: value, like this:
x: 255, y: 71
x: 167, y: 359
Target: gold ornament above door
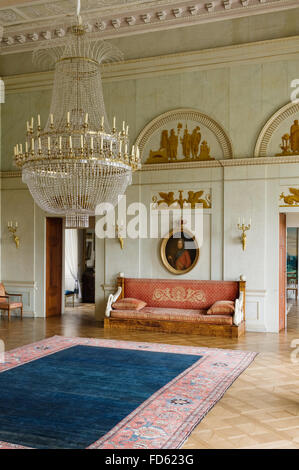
x: 183, y: 135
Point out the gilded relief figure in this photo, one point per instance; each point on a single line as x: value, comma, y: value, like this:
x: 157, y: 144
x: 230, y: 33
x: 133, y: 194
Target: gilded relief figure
x: 194, y: 197
x: 164, y: 141
x: 291, y: 199
x: 195, y: 141
x: 173, y: 142
x: 186, y: 144
x: 294, y: 141
x: 285, y: 146
x: 205, y: 151
x: 190, y: 146
x: 166, y: 197
x: 290, y: 142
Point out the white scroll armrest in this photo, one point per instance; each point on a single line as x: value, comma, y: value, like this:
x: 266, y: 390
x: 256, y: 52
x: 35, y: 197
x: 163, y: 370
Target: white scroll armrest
x: 111, y: 299
x: 239, y: 312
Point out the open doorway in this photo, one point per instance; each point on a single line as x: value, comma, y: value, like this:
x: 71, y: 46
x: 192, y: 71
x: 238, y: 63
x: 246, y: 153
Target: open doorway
x: 79, y: 272
x: 292, y: 251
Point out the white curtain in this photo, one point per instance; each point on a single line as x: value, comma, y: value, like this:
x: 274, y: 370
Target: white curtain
x: 71, y: 259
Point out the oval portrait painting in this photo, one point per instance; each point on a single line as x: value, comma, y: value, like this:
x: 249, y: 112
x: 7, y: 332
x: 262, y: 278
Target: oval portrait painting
x: 179, y: 251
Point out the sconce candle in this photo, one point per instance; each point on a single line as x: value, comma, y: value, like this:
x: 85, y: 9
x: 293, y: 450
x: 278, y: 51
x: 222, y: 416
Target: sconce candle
x: 244, y: 228
x: 12, y: 228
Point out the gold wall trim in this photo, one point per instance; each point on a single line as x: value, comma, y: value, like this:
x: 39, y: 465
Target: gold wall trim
x: 257, y: 52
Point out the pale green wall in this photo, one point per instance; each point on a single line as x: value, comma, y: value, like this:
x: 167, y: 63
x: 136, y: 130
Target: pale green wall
x: 18, y: 109
x: 241, y: 98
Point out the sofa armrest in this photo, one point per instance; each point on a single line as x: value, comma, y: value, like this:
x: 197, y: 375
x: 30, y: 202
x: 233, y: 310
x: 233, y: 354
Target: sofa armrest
x: 111, y: 299
x: 239, y: 310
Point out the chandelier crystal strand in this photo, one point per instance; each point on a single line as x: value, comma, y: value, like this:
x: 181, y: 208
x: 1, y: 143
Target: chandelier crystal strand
x: 76, y: 161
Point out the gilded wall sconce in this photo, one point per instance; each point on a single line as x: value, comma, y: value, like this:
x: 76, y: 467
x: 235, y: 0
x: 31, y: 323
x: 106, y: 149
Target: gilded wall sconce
x: 120, y: 239
x: 12, y: 228
x: 244, y: 228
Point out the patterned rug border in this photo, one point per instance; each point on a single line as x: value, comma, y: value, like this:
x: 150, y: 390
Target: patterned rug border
x: 166, y: 419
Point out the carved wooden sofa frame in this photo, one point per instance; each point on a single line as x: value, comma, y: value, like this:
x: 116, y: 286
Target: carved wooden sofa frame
x: 178, y: 326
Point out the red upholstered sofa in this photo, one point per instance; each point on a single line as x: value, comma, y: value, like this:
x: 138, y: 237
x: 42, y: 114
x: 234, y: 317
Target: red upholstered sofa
x: 178, y: 306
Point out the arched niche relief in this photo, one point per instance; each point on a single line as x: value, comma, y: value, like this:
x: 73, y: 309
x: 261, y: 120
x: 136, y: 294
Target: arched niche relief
x: 183, y: 136
x: 280, y: 135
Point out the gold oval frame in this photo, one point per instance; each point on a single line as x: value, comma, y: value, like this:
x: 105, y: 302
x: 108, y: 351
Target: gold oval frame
x: 163, y: 254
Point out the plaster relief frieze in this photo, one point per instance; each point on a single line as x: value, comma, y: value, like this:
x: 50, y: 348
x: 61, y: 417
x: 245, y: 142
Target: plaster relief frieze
x: 117, y: 18
x: 193, y: 9
x: 8, y: 16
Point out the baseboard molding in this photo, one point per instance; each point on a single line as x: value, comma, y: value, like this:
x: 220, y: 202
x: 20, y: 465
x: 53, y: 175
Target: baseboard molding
x: 255, y: 328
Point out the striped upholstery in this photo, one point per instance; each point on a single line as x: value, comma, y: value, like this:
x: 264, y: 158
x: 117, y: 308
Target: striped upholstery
x: 174, y: 314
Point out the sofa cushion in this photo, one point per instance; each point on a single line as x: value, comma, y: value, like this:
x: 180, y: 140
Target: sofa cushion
x: 129, y: 303
x: 173, y: 314
x: 183, y: 293
x: 222, y: 307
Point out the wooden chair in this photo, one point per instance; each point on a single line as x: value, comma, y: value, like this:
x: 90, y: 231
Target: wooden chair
x: 292, y: 285
x: 68, y: 294
x: 6, y: 304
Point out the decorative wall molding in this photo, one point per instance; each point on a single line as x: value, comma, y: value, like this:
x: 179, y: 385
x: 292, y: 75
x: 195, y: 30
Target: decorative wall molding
x: 185, y: 114
x: 182, y: 165
x: 235, y: 162
x: 263, y: 141
x: 255, y: 310
x: 32, y: 19
x: 257, y: 52
x: 261, y: 161
x: 30, y: 284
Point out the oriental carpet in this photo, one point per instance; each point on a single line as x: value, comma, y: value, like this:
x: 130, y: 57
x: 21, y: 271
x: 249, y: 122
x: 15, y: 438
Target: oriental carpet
x: 95, y: 393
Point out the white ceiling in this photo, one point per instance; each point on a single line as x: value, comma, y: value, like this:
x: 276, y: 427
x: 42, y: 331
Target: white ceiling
x: 22, y: 11
x: 27, y: 22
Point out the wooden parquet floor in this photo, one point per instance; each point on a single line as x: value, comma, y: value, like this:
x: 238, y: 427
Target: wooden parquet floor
x: 259, y: 411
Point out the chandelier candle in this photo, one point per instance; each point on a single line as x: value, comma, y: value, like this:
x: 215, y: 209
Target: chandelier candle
x: 75, y: 161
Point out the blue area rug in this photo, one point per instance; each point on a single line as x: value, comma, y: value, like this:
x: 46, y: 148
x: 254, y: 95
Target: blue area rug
x: 70, y: 398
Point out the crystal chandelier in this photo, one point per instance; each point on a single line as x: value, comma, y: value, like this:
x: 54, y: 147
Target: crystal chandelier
x: 76, y: 161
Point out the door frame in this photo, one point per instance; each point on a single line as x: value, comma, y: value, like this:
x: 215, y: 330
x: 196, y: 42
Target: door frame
x: 286, y: 211
x: 282, y: 274
x: 49, y: 216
